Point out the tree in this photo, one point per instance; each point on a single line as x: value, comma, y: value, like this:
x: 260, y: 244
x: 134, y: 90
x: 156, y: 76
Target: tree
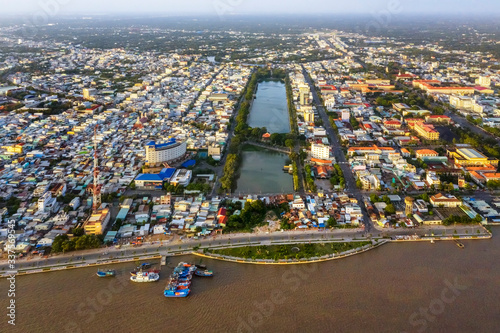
x: 389, y: 209
x: 289, y: 143
x: 332, y: 222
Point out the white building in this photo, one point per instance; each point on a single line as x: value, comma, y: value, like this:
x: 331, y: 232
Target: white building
x: 484, y: 81
x: 320, y: 151
x: 46, y: 202
x: 75, y: 203
x: 164, y: 152
x: 346, y: 115
x: 181, y: 177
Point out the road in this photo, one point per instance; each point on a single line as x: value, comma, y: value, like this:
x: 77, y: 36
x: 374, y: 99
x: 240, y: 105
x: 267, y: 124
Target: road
x: 177, y: 245
x: 338, y: 152
x: 220, y: 169
x: 473, y: 128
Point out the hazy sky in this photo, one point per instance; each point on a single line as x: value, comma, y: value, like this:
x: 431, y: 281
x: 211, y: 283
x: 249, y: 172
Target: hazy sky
x: 218, y: 7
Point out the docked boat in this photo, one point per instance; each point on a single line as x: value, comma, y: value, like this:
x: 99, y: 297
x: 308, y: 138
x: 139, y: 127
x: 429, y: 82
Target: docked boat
x: 145, y: 277
x: 205, y: 273
x: 201, y: 266
x: 175, y: 292
x: 134, y: 273
x: 180, y: 281
x: 107, y: 273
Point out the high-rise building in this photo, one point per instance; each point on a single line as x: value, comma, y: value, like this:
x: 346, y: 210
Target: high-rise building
x: 88, y: 93
x: 164, y: 152
x: 346, y: 115
x: 409, y: 205
x: 320, y: 151
x: 304, y: 94
x: 309, y: 116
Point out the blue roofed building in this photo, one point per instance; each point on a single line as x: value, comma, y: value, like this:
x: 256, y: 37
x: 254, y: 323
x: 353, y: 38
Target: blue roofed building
x: 154, y: 181
x: 188, y: 164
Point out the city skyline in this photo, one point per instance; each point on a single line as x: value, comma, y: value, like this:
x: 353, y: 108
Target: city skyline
x: 242, y: 7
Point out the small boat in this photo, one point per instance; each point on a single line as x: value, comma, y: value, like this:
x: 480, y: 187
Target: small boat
x: 175, y: 292
x: 134, y: 273
x: 205, y: 273
x: 108, y: 273
x: 145, y: 277
x: 201, y: 266
x: 145, y: 265
x: 432, y: 241
x: 460, y: 245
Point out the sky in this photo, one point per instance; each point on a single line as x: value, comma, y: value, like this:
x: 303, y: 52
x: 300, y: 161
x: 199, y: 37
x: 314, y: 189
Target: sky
x: 221, y: 7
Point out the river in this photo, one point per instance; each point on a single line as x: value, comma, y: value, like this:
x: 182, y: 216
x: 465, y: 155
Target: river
x: 270, y: 108
x: 262, y: 172
x: 404, y: 287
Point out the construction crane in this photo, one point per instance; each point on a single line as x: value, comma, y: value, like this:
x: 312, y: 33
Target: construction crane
x: 96, y: 188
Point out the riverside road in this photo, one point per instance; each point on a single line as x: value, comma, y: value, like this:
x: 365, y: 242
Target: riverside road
x: 177, y: 244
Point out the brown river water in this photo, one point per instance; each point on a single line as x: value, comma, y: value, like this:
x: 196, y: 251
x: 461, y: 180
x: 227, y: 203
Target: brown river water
x: 409, y: 287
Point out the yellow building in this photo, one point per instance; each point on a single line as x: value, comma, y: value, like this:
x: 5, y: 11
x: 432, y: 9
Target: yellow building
x: 309, y: 116
x: 470, y: 157
x: 13, y: 149
x: 97, y: 222
x: 426, y: 131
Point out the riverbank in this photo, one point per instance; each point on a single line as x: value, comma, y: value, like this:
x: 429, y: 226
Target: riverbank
x: 332, y: 256
x: 157, y: 250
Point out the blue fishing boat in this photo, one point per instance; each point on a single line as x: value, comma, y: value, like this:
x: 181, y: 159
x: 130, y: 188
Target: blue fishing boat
x: 107, y: 273
x: 176, y: 292
x: 180, y: 281
x: 205, y: 273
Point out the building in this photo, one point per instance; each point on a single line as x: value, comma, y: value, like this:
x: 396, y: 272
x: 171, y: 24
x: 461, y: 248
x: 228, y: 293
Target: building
x: 438, y: 119
x: 425, y: 131
x: 309, y: 116
x: 392, y: 123
x: 445, y: 201
x: 370, y: 150
x: 425, y: 153
x: 346, y: 115
x: 181, y: 177
x: 436, y: 87
x: 215, y: 151
x: 164, y: 152
x: 218, y: 97
x: 484, y: 81
x: 469, y: 156
x: 320, y: 151
x: 46, y: 202
x: 97, y: 222
x: 154, y: 181
x: 432, y: 179
x: 304, y: 94
x: 409, y: 205
x: 10, y: 89
x: 13, y: 149
x: 461, y: 102
x: 88, y: 93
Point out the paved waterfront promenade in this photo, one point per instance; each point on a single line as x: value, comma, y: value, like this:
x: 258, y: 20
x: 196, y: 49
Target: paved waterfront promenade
x: 184, y: 246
